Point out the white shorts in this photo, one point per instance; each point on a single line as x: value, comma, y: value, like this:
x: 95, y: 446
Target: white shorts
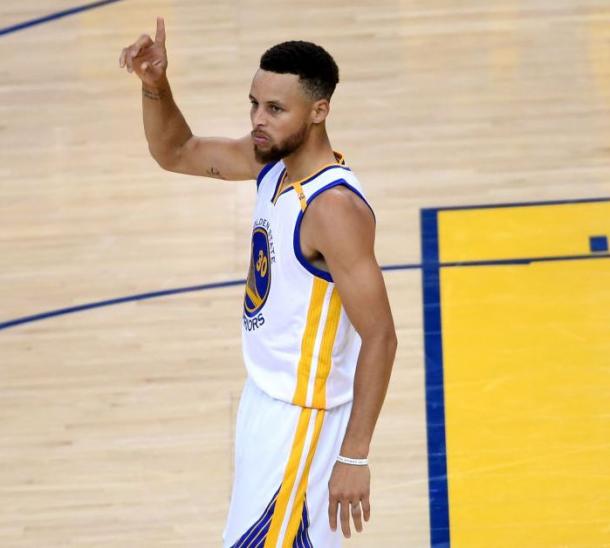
x: 284, y: 455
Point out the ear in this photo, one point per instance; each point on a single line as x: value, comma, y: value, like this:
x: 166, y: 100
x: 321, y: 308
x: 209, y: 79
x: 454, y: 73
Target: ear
x: 319, y: 111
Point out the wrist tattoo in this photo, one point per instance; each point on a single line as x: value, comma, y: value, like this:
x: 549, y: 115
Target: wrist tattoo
x: 154, y: 94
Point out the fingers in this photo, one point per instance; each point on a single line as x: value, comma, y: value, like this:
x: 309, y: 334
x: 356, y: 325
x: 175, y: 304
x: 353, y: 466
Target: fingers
x: 345, y: 518
x: 332, y: 513
x: 160, y: 35
x: 132, y: 51
x: 122, y: 57
x: 357, y: 516
x: 359, y: 510
x: 366, y: 508
x: 349, y: 492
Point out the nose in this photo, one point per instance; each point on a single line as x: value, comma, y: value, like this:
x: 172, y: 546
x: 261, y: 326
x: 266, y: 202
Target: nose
x: 257, y: 116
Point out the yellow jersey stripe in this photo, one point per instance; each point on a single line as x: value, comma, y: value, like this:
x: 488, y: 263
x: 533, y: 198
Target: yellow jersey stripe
x: 281, y: 188
x: 301, y: 195
x: 299, y: 500
x: 309, y: 339
x: 326, y: 350
x: 290, y: 474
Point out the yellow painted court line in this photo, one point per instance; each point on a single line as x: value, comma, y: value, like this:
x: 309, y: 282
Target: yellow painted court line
x: 525, y: 362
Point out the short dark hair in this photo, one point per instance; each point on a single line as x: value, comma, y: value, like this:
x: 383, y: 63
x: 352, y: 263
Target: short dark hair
x: 317, y: 70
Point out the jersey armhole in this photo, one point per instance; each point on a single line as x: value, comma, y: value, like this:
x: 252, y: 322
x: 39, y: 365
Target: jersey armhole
x: 261, y: 175
x: 297, y: 229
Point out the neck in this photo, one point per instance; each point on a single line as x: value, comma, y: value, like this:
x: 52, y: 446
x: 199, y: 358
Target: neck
x: 315, y: 153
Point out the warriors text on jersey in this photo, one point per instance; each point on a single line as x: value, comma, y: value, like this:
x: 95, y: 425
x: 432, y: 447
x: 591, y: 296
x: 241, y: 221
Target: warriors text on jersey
x: 298, y: 343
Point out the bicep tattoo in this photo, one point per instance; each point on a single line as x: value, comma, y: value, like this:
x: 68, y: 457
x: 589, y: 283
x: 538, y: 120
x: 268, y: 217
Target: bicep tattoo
x: 214, y: 172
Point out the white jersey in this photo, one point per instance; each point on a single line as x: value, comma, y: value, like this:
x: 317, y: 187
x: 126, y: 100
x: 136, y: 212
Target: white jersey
x: 298, y: 343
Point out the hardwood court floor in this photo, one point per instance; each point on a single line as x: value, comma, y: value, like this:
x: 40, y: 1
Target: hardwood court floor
x: 117, y: 421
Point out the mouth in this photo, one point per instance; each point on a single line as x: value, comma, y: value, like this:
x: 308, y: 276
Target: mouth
x: 259, y: 138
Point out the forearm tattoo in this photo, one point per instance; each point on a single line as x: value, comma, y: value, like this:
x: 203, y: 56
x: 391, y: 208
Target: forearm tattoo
x: 154, y: 94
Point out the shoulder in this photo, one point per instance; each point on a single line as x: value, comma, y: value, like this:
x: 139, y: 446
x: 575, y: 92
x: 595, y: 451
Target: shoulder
x: 339, y: 223
x: 339, y: 205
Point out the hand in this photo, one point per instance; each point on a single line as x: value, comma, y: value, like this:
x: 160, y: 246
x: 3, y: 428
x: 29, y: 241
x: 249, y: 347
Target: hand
x: 147, y: 58
x: 349, y: 486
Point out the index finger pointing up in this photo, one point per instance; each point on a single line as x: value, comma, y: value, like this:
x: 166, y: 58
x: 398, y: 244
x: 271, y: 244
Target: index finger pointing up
x: 160, y: 35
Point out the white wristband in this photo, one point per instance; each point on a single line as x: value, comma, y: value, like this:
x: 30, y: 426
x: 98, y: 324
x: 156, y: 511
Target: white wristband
x: 357, y: 462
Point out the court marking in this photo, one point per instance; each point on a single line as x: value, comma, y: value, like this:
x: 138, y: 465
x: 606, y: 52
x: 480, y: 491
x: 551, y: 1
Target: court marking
x: 429, y: 262
x: 438, y: 496
x: 119, y: 300
x: 54, y: 16
x: 144, y: 296
x: 518, y: 204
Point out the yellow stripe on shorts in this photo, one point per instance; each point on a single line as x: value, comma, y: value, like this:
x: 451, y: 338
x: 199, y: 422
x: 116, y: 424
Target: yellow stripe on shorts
x: 290, y: 475
x: 299, y: 500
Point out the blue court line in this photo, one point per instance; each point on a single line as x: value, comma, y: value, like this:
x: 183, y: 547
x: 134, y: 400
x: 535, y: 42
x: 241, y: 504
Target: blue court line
x: 431, y: 263
x: 524, y: 261
x: 129, y: 298
x: 435, y: 400
x: 144, y: 296
x: 518, y: 204
x: 53, y: 16
x: 439, y: 511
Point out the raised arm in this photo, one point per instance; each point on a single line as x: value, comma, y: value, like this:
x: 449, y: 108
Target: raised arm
x: 170, y: 140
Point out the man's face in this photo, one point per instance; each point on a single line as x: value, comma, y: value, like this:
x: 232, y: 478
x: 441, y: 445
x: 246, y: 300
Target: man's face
x: 280, y: 115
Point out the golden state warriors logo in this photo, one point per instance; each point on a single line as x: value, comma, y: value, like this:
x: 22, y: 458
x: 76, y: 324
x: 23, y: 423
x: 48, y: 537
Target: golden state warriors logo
x: 259, y: 275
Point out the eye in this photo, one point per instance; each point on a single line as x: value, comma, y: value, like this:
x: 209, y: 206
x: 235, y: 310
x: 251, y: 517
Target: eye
x: 275, y: 109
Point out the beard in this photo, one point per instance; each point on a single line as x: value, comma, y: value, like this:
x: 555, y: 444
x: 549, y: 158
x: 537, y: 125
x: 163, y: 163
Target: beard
x: 283, y: 149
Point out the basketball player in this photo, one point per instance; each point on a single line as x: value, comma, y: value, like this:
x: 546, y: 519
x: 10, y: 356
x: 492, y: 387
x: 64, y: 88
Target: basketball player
x: 318, y: 333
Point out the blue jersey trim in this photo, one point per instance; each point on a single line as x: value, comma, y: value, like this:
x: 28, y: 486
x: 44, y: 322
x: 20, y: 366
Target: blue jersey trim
x: 266, y: 169
x: 297, y: 229
x: 315, y: 175
x: 277, y: 185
